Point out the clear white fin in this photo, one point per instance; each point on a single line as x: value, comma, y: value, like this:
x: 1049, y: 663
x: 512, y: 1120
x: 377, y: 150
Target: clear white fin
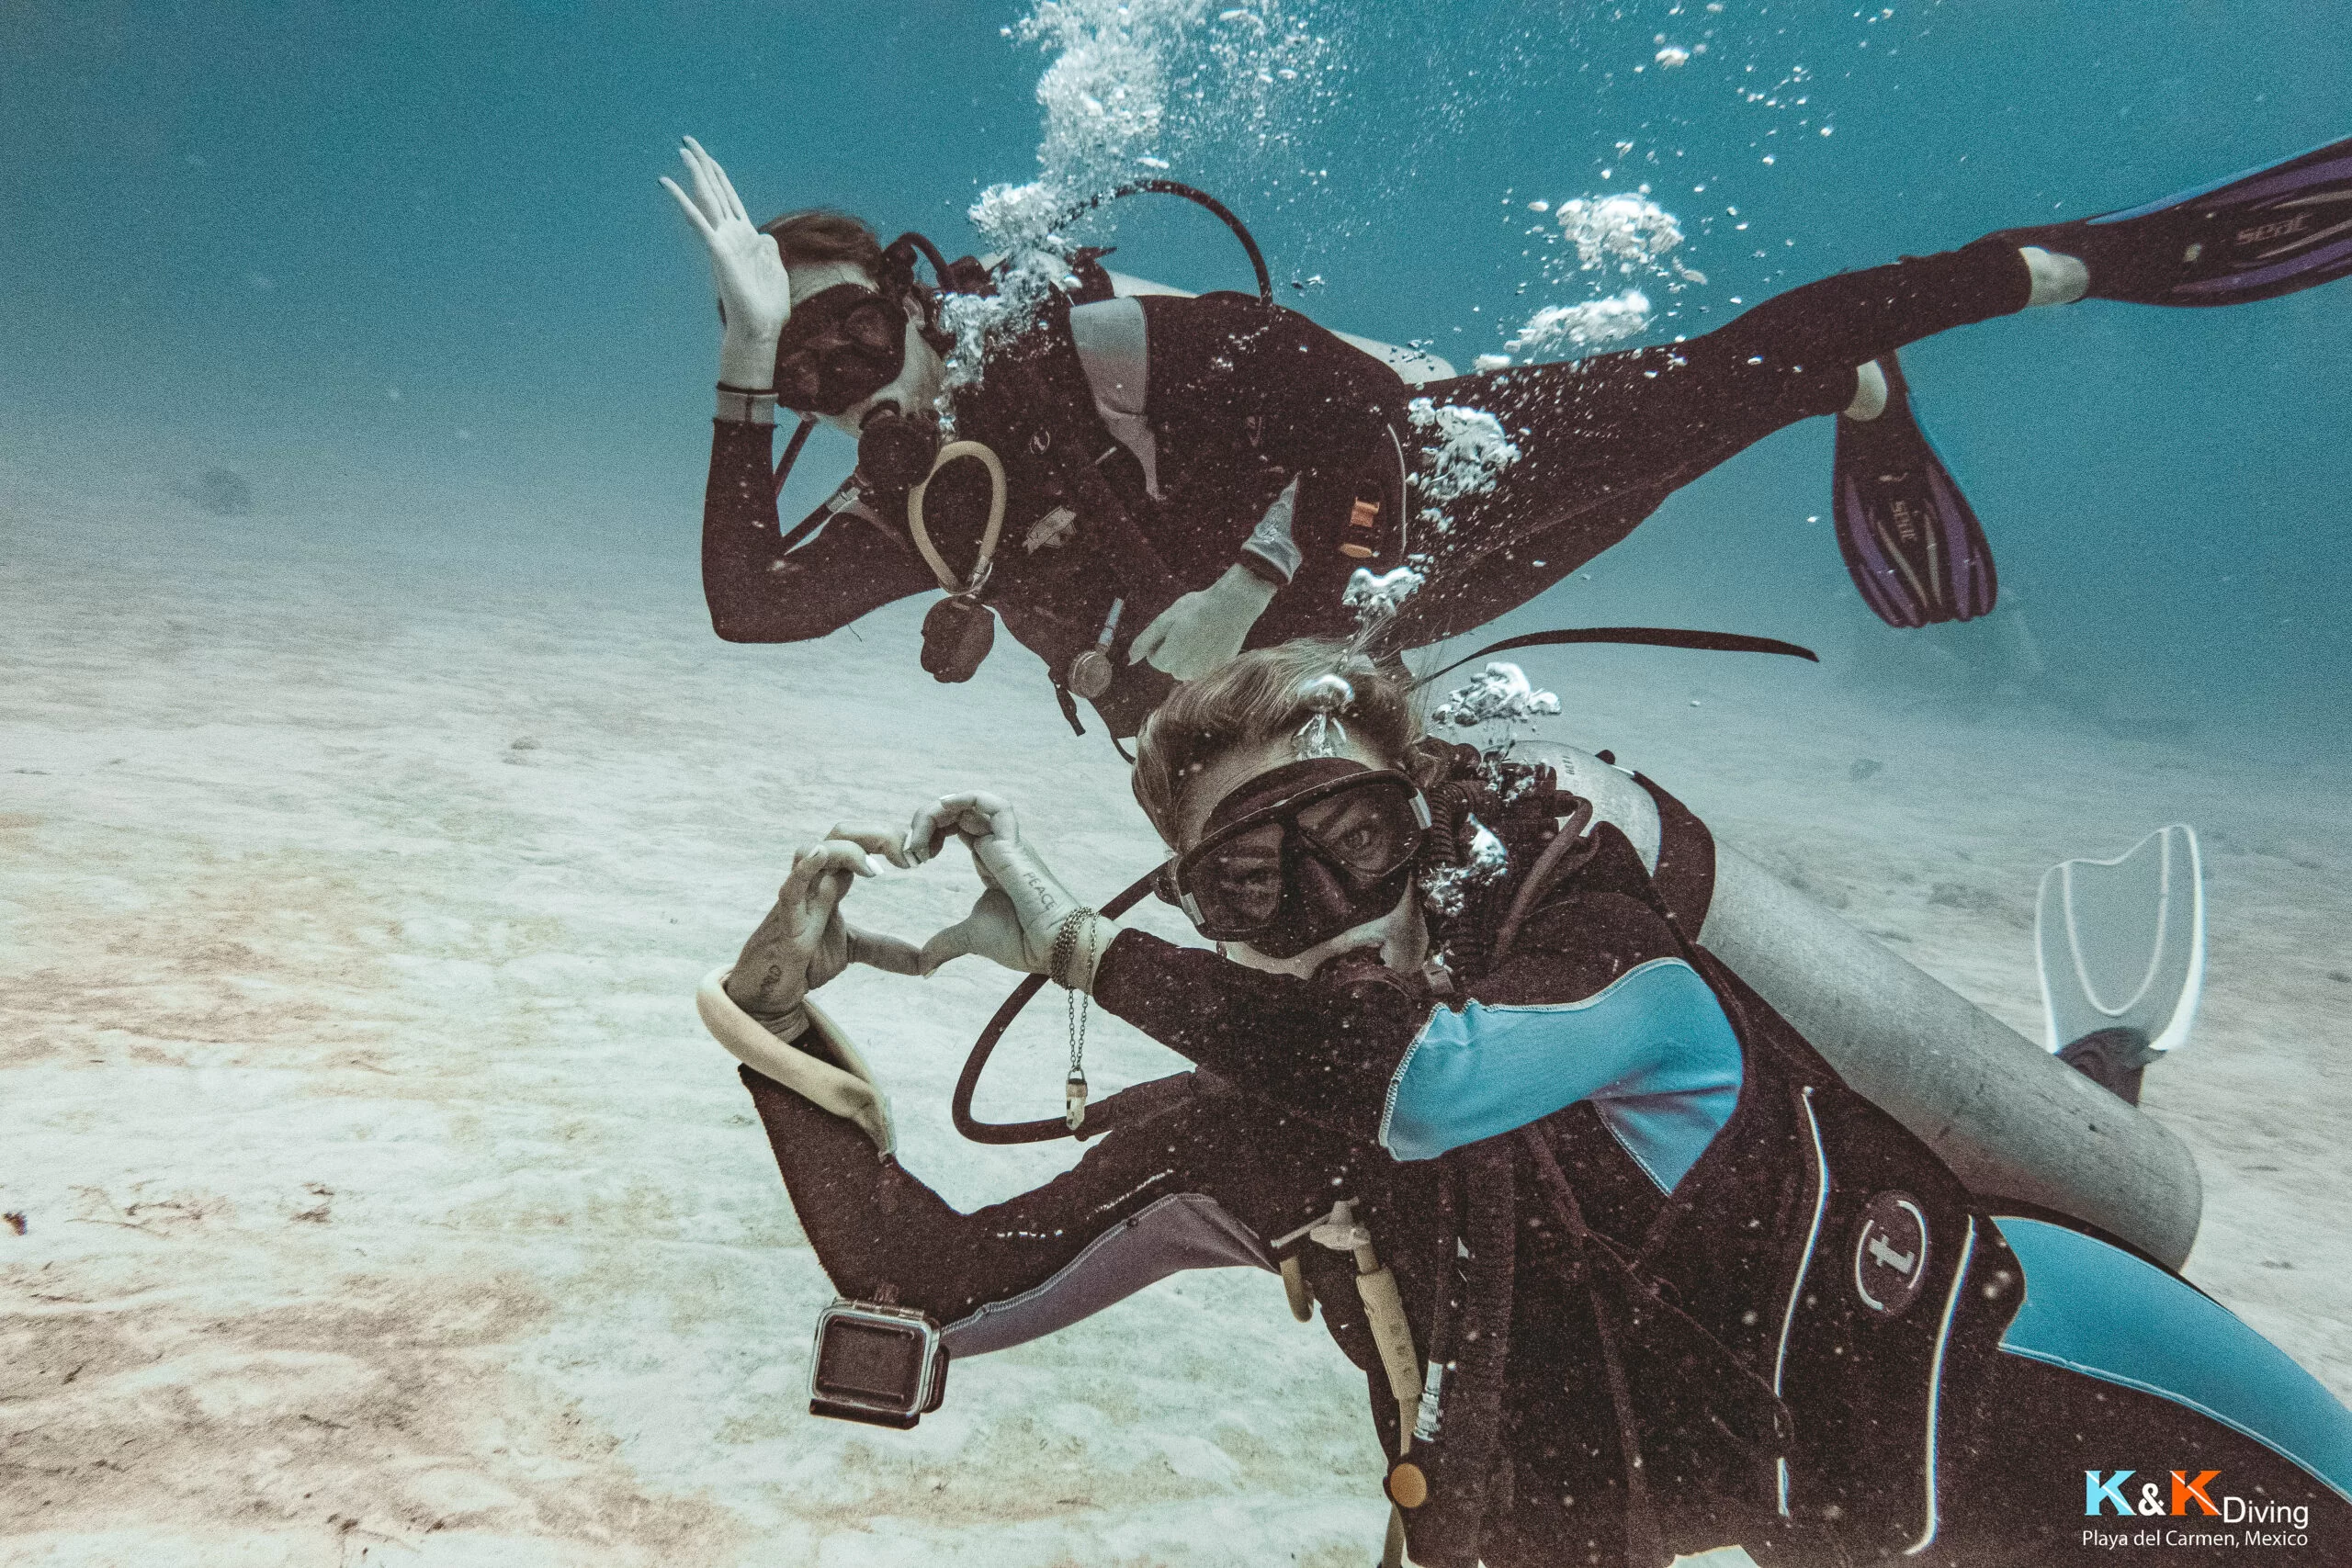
x: 2120, y: 943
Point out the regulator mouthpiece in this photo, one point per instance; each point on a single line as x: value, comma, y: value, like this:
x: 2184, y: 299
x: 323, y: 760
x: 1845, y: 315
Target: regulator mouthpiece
x: 894, y: 450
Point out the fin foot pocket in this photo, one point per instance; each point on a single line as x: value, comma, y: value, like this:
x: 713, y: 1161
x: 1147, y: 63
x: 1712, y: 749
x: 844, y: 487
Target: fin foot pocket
x: 2115, y: 1059
x: 1911, y: 541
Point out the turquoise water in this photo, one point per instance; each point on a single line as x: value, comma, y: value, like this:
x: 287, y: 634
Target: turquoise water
x: 414, y: 257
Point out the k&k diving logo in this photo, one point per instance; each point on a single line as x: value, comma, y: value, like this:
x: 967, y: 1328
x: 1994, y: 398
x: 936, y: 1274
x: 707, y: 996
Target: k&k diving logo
x: 2197, y: 1495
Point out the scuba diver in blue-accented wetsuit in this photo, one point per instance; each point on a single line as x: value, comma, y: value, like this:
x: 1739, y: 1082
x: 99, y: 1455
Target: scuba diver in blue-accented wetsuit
x: 1142, y: 484
x: 1630, y: 1269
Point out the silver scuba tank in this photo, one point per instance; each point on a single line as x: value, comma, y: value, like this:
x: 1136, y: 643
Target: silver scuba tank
x: 2010, y: 1119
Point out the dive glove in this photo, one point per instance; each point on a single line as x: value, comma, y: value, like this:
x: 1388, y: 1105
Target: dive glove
x: 1204, y: 629
x: 804, y: 941
x: 1020, y: 920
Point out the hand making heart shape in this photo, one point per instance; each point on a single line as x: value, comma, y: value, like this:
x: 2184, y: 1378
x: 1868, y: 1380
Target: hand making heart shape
x: 805, y: 940
x: 761, y: 1011
x: 1026, y: 913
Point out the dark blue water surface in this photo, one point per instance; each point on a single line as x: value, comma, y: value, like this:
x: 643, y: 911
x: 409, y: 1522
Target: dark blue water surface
x: 414, y: 256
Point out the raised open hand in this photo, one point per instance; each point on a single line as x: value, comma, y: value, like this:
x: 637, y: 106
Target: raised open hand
x: 754, y: 290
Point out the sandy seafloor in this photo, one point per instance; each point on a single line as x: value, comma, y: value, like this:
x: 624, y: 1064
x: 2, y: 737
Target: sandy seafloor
x: 384, y: 1202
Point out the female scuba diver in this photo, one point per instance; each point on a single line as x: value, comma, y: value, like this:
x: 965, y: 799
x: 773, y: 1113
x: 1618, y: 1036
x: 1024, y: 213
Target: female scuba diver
x: 1156, y: 480
x: 1630, y: 1269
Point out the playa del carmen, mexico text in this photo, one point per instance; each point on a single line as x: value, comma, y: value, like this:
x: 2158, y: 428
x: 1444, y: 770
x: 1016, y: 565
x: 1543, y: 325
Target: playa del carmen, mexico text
x: 2196, y: 1500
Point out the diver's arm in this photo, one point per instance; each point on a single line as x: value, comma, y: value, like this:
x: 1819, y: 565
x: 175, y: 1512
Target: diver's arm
x: 1324, y: 1054
x: 1593, y: 999
x: 757, y: 591
x: 1270, y: 388
x: 1278, y: 389
x: 881, y: 1233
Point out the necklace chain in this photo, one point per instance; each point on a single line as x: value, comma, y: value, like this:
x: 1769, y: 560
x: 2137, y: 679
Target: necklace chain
x: 1066, y: 942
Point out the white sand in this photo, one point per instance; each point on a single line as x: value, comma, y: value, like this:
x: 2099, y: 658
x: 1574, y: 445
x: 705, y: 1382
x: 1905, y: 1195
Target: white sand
x: 384, y: 1198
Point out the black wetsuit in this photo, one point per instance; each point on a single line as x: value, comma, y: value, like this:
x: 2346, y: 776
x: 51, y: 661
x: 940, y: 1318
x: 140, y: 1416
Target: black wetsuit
x: 1714, y: 1317
x: 1243, y: 398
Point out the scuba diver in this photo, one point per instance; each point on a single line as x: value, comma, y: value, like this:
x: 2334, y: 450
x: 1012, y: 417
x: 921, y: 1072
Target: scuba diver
x: 1630, y: 1269
x: 1143, y: 484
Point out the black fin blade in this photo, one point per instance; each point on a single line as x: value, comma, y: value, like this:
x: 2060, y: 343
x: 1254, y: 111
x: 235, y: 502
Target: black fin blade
x: 1911, y: 542
x: 2254, y: 236
x: 1640, y: 637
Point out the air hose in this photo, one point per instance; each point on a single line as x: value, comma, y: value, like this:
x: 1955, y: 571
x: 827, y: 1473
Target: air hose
x: 1198, y: 197
x: 1100, y: 1118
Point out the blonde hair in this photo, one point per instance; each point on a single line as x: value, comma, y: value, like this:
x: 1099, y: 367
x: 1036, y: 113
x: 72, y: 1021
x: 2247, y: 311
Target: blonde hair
x: 1263, y: 696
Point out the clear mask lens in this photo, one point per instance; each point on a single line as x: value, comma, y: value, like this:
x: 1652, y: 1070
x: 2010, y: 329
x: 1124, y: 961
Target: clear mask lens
x: 1304, y: 869
x: 841, y: 345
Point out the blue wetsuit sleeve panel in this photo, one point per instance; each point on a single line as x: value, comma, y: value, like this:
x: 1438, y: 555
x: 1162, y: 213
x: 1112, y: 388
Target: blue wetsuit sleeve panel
x: 1652, y: 1050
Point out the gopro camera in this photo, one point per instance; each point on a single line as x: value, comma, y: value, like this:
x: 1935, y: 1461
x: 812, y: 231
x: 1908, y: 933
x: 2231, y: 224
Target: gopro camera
x: 884, y: 1365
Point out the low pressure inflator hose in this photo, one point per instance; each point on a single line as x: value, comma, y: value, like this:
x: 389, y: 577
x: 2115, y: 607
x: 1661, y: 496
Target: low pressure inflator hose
x: 930, y: 552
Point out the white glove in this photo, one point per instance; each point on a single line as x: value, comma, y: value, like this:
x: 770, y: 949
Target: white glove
x: 1204, y: 630
x: 804, y: 941
x: 1018, y: 921
x: 754, y: 290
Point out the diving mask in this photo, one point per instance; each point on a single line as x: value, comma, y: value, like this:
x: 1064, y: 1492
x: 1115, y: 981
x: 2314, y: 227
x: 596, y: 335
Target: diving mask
x: 1300, y: 854
x: 840, y: 346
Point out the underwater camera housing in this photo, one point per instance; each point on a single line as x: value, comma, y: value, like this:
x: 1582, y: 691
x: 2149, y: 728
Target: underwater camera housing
x: 884, y: 1365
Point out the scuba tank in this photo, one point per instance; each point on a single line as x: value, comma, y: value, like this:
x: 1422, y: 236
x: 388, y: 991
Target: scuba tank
x: 2010, y: 1120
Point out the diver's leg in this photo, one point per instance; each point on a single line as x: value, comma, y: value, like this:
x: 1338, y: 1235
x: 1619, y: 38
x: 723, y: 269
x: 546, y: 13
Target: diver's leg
x: 1602, y: 441
x: 1797, y: 353
x: 2073, y: 1359
x: 2042, y: 1445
